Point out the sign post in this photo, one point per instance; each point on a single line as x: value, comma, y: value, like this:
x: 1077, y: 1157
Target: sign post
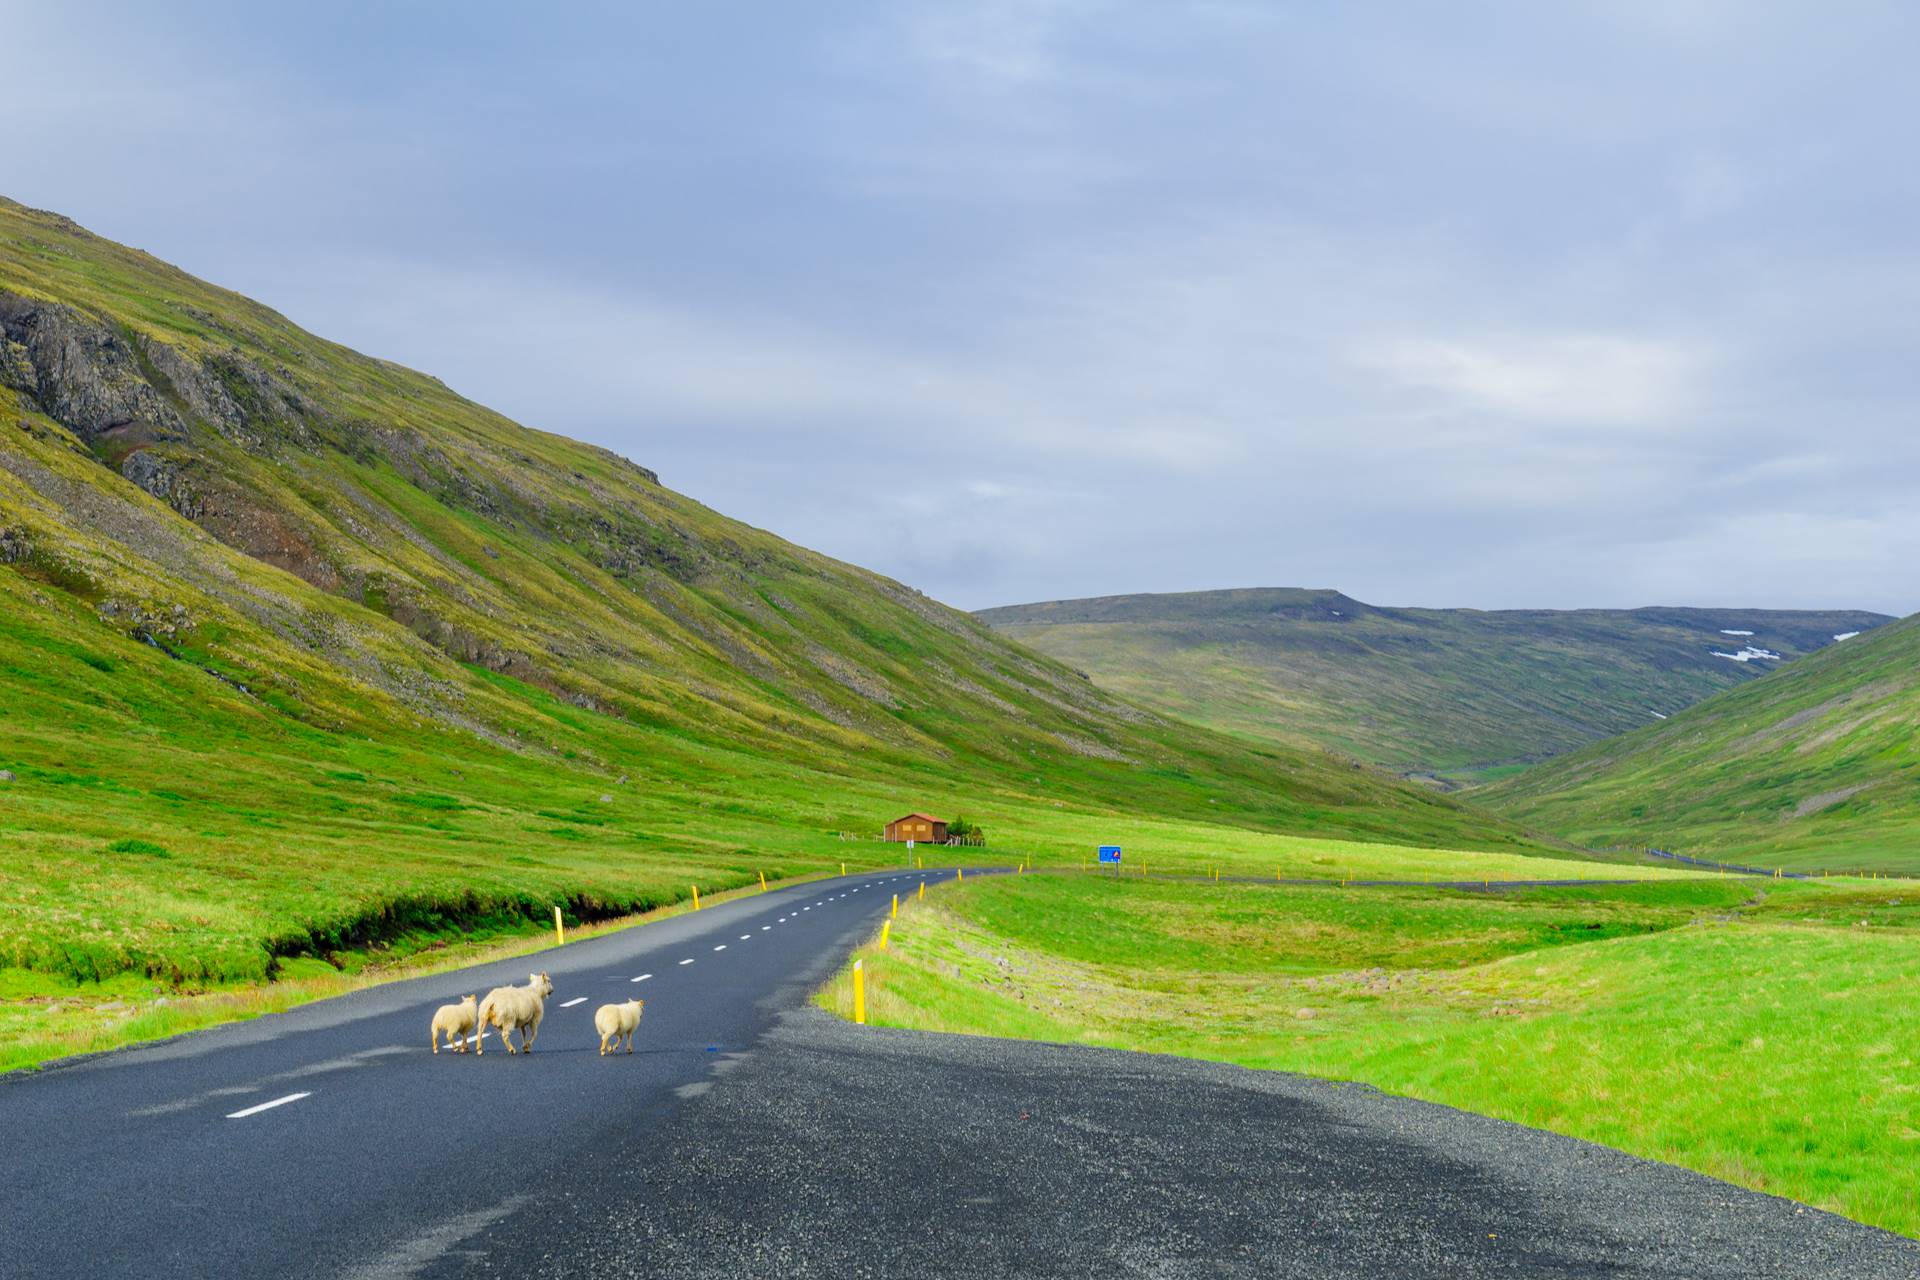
x: 1110, y: 853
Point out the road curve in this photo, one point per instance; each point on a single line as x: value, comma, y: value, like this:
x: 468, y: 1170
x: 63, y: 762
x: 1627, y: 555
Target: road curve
x: 751, y: 1135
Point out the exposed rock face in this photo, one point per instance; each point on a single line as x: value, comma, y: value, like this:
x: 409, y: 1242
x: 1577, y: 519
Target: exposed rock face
x: 97, y: 380
x: 161, y: 478
x: 82, y: 373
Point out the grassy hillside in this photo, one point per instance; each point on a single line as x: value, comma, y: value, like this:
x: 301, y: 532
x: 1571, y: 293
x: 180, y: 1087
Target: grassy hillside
x: 1446, y: 694
x: 1757, y: 1031
x: 301, y: 652
x: 1817, y: 765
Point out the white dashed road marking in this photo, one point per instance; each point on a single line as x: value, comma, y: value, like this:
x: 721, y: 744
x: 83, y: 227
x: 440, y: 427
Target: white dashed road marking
x: 642, y: 978
x: 568, y: 1004
x: 688, y: 960
x: 267, y: 1106
x: 745, y: 936
x: 721, y: 947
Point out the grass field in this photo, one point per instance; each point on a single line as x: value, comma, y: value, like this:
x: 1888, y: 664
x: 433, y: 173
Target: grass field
x: 1756, y: 1031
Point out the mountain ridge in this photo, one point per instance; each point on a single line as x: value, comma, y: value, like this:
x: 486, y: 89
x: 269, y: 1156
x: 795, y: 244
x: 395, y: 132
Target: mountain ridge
x: 1449, y: 694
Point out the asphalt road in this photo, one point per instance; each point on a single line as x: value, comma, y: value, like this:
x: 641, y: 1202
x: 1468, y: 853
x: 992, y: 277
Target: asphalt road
x: 753, y: 1136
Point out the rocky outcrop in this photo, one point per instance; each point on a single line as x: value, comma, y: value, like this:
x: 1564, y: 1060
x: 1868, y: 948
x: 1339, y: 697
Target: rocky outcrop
x: 98, y: 380
x: 81, y: 373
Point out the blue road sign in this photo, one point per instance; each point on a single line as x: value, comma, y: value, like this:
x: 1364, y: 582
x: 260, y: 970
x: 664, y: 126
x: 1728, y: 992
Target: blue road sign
x: 1109, y: 853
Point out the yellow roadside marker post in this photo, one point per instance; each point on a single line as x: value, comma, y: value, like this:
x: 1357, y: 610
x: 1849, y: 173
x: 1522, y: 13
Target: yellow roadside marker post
x: 895, y: 915
x: 763, y: 882
x: 923, y: 891
x: 559, y: 929
x: 696, y: 897
x: 843, y: 868
x: 886, y: 930
x: 959, y: 874
x: 859, y: 993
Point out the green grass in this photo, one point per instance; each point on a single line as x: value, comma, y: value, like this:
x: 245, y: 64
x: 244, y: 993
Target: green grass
x: 1456, y: 696
x: 1756, y: 1031
x: 1815, y: 766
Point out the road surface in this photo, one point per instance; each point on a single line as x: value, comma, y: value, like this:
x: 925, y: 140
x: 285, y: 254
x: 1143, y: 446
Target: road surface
x: 752, y: 1135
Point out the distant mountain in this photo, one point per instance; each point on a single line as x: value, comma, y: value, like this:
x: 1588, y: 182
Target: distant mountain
x: 1817, y: 765
x: 298, y: 646
x: 1451, y: 695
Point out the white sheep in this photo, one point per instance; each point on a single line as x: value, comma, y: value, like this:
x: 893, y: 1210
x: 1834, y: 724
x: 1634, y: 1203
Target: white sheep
x: 511, y: 1007
x: 615, y: 1020
x: 453, y: 1021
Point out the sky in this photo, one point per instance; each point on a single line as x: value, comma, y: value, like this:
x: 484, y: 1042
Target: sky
x: 1464, y: 304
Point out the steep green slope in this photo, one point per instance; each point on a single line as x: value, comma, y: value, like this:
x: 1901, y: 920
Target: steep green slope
x: 301, y: 649
x: 1456, y: 694
x: 1816, y: 765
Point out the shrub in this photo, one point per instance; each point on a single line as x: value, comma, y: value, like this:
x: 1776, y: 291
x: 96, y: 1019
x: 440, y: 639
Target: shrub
x: 147, y: 847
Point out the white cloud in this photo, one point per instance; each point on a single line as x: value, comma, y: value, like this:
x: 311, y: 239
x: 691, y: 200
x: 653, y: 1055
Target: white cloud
x: 1592, y: 379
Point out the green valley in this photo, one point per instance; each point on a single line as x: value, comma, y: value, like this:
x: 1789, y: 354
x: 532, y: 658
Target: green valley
x: 1449, y: 695
x: 303, y: 655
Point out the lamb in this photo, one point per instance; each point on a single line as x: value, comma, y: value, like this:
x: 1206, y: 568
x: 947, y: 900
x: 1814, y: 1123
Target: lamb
x: 615, y: 1020
x: 454, y: 1021
x: 511, y: 1007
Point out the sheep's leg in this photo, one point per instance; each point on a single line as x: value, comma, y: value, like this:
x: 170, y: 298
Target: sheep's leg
x: 629, y: 1042
x: 603, y: 1044
x: 433, y: 1039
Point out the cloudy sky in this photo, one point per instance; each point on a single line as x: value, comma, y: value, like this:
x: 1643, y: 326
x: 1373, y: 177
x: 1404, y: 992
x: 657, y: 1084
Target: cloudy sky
x: 1447, y: 304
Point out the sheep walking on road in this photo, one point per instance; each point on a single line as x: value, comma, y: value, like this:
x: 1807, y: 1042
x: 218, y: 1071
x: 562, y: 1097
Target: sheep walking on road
x: 511, y: 1007
x: 454, y: 1021
x: 615, y: 1020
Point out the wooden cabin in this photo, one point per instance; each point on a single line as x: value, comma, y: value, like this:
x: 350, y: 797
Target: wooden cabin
x: 923, y: 827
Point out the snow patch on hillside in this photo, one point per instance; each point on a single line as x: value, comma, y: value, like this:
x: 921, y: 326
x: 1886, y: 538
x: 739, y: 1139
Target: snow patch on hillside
x: 1748, y: 654
x: 1846, y: 635
x: 1725, y: 632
